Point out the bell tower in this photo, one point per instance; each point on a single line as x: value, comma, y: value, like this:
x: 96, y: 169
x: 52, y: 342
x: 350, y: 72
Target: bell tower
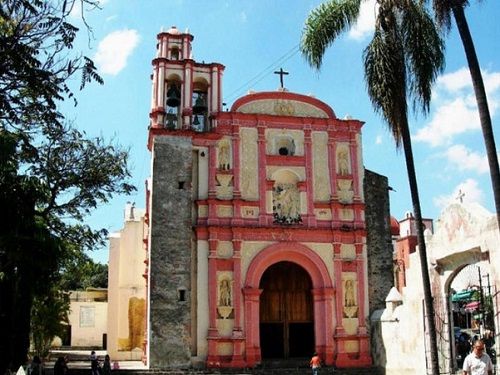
x: 185, y: 93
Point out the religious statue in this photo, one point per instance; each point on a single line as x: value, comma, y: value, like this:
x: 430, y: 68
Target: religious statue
x: 286, y: 204
x: 349, y: 294
x: 224, y: 157
x: 224, y: 293
x: 350, y: 306
x: 343, y: 162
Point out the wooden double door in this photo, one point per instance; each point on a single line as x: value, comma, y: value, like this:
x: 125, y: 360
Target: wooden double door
x: 286, y: 312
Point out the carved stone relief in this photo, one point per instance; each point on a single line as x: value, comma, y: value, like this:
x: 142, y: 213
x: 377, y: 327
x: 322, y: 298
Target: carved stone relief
x: 282, y: 108
x: 345, y: 191
x: 286, y: 203
x: 224, y: 211
x: 249, y: 166
x: 347, y: 251
x: 224, y: 189
x: 343, y: 160
x: 224, y: 249
x: 321, y: 176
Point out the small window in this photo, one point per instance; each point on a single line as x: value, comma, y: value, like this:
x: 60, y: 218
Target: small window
x: 285, y: 146
x: 181, y: 185
x: 182, y: 295
x: 283, y: 151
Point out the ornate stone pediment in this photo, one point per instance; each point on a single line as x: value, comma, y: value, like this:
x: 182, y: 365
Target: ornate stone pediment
x: 282, y: 107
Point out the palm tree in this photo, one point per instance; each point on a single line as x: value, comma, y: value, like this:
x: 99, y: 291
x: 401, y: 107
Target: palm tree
x: 401, y: 62
x: 443, y: 10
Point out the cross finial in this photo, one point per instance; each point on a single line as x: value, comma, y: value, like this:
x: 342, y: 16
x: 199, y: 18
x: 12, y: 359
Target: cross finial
x: 460, y: 196
x: 282, y: 73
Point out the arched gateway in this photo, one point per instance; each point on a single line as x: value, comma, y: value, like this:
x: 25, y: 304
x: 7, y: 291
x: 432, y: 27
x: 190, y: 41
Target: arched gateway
x: 322, y: 297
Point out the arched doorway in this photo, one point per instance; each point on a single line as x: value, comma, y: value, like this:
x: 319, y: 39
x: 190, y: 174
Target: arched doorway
x: 322, y: 297
x: 286, y: 312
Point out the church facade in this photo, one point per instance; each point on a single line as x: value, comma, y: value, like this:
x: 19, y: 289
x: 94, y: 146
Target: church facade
x: 267, y: 238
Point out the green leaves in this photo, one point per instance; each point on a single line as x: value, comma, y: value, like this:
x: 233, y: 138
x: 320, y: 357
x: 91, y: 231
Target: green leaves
x: 324, y: 24
x: 401, y: 61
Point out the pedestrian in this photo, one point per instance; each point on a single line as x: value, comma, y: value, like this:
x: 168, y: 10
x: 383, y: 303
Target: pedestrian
x: 36, y: 367
x: 94, y: 363
x: 315, y: 363
x: 478, y: 362
x: 60, y: 367
x: 106, y: 366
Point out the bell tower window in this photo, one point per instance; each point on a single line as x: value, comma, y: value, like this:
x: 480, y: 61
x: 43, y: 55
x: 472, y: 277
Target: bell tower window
x: 199, y: 119
x: 173, y: 102
x: 174, y: 53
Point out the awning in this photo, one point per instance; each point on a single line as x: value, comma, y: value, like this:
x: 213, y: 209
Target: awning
x: 471, y: 306
x: 464, y: 295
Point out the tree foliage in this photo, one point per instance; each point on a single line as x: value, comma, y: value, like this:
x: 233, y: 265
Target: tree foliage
x: 51, y: 174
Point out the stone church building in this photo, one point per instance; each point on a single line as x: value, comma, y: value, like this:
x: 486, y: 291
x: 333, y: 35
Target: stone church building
x: 267, y: 238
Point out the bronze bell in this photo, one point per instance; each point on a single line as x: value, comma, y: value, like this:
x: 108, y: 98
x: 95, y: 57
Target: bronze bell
x: 200, y: 105
x: 173, y: 96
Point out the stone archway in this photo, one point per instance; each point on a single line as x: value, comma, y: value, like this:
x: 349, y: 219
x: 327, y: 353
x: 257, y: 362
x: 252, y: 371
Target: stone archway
x: 451, y: 297
x: 322, y: 290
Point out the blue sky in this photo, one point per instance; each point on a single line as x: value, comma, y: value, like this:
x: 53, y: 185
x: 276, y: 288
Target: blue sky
x: 255, y: 38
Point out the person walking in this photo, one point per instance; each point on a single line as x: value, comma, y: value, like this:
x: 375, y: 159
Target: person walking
x: 60, y: 367
x: 94, y: 364
x: 106, y: 366
x: 36, y: 367
x: 315, y: 363
x: 478, y: 362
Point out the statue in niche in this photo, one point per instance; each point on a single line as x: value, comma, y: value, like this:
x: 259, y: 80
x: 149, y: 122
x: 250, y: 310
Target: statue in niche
x: 224, y: 157
x: 343, y: 162
x: 224, y: 293
x: 286, y: 204
x: 349, y: 294
x: 350, y: 306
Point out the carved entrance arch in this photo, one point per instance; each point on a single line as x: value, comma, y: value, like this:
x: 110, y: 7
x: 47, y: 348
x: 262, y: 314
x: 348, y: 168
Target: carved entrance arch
x: 323, y: 294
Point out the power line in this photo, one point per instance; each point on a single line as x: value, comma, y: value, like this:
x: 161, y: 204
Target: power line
x: 263, y: 73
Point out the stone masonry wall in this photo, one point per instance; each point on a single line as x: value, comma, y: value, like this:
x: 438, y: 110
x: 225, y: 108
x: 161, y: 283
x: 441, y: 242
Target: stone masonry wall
x: 170, y: 253
x: 378, y: 241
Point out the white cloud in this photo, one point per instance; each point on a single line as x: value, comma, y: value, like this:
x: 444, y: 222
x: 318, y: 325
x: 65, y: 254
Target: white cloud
x: 467, y: 160
x: 457, y: 112
x: 455, y: 81
x: 114, y: 50
x: 470, y: 190
x: 366, y: 20
x: 378, y: 140
x: 450, y: 119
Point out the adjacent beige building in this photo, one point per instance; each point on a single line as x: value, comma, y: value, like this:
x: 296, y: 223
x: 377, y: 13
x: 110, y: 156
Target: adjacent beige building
x: 127, y: 288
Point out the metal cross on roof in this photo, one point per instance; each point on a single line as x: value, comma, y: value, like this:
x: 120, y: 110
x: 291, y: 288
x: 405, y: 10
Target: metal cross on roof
x: 282, y: 73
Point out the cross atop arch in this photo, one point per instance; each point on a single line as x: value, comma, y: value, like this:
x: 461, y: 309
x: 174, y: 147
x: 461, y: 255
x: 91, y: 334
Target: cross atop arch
x: 282, y: 73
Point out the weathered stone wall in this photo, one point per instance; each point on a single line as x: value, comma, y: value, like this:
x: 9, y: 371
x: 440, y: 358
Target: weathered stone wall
x: 378, y: 241
x: 170, y: 253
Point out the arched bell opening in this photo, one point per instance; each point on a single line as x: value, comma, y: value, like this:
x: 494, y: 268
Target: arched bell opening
x: 286, y: 312
x: 173, y: 102
x: 174, y: 53
x: 199, y: 121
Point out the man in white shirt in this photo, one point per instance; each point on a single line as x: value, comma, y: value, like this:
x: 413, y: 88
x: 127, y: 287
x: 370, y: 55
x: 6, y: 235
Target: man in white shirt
x: 478, y: 362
